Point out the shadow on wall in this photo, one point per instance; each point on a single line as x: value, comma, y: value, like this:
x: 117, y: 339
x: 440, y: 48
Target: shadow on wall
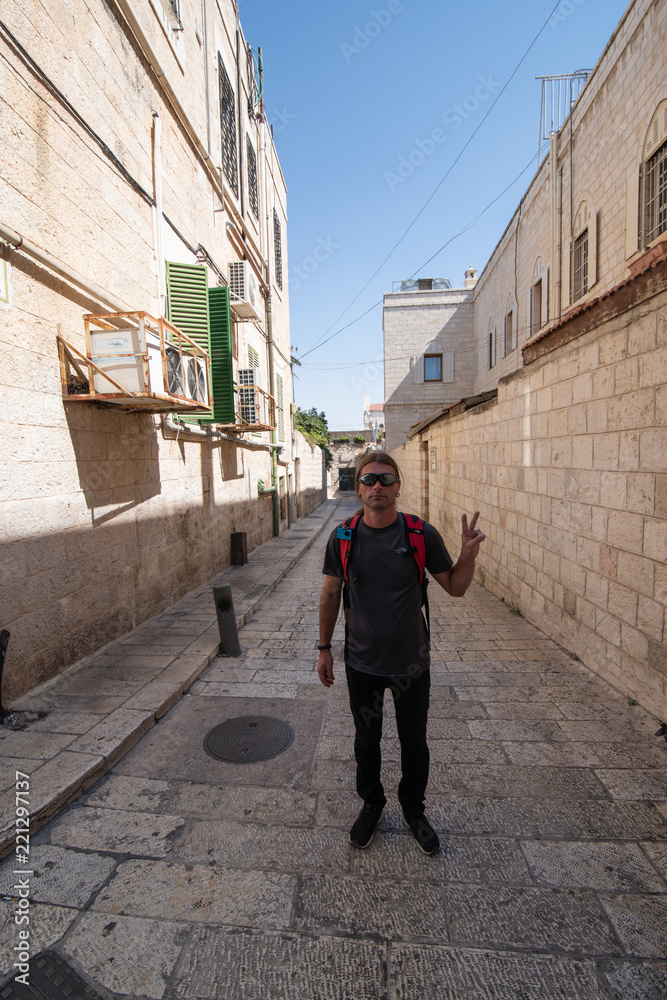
x: 117, y: 458
x: 410, y: 401
x: 68, y: 593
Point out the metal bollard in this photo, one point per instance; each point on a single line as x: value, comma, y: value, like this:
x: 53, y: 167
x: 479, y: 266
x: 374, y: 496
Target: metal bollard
x: 224, y: 609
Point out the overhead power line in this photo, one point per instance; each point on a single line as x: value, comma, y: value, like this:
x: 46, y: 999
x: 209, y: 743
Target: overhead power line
x: 437, y: 187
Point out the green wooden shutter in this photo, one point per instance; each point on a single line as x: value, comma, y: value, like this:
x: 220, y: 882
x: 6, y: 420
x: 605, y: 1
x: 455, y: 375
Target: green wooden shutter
x: 221, y: 356
x: 187, y: 300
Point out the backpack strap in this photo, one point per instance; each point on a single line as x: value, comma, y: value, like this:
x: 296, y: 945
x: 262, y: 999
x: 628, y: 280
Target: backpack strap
x: 415, y: 527
x: 346, y: 534
x: 417, y: 543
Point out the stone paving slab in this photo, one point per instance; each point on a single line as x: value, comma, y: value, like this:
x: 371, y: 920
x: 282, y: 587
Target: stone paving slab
x: 637, y: 981
x: 97, y: 941
x: 462, y: 974
x: 592, y: 865
x: 199, y: 893
x: 48, y: 924
x: 115, y: 831
x: 218, y: 963
x: 509, y: 917
x: 59, y: 875
x: 640, y: 923
x: 368, y: 907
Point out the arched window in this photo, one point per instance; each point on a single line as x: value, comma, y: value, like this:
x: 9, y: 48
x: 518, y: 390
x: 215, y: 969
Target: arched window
x: 537, y: 299
x: 433, y: 364
x: 646, y: 201
x: 491, y: 340
x: 583, y: 251
x: 509, y: 325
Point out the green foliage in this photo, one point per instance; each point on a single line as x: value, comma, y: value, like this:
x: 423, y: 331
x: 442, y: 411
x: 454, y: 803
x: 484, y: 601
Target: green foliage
x: 313, y: 425
x: 358, y: 438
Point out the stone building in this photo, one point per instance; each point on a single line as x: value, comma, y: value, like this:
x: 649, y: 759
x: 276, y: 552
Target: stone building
x: 347, y: 447
x: 139, y: 176
x: 560, y: 440
x: 429, y: 356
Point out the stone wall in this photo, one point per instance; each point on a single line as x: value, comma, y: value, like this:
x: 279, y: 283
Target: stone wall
x: 569, y: 470
x: 107, y: 518
x: 311, y: 475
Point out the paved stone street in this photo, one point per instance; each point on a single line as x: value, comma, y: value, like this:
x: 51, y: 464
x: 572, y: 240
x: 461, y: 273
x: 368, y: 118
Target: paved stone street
x: 180, y: 876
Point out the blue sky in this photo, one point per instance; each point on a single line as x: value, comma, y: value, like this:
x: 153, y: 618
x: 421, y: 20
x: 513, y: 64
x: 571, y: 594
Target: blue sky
x: 371, y: 104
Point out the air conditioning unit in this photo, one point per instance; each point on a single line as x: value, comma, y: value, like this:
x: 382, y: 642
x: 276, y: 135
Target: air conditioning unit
x: 196, y: 386
x: 249, y: 380
x: 175, y: 374
x: 244, y: 297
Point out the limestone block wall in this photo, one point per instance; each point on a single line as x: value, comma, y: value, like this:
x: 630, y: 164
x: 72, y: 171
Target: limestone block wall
x: 311, y: 476
x: 609, y: 126
x: 106, y: 518
x: 569, y: 470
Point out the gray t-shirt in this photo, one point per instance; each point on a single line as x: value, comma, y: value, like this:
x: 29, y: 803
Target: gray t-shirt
x: 386, y: 631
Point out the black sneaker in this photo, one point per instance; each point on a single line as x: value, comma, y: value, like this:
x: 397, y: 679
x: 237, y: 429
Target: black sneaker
x: 424, y: 834
x: 363, y: 829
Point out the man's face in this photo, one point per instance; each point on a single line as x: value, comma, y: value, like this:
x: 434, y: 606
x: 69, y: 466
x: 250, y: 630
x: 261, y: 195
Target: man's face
x: 378, y: 497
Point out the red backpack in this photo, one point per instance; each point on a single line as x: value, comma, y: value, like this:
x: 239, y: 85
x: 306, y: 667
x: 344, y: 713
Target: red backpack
x: 346, y: 533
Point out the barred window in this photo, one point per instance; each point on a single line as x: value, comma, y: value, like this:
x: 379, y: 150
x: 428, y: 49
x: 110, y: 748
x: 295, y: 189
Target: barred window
x: 277, y: 250
x: 228, y: 129
x: 252, y: 178
x: 280, y: 408
x: 655, y: 194
x: 580, y: 266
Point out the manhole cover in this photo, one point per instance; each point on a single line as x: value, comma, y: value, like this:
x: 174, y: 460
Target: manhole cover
x: 52, y: 978
x: 248, y: 739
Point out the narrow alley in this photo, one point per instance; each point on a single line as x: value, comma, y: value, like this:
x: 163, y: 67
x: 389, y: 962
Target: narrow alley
x: 181, y: 876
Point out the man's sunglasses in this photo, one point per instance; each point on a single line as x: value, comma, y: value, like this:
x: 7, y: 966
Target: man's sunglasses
x: 371, y: 478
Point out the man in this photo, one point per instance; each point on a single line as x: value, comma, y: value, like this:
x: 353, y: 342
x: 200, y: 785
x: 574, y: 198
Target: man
x: 386, y: 640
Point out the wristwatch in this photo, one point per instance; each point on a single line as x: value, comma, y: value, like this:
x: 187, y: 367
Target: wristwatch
x: 326, y: 645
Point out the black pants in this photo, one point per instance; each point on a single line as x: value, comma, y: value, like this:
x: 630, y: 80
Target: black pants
x: 411, y: 698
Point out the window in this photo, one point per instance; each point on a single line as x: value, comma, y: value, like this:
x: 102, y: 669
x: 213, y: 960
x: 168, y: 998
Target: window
x: 583, y: 259
x: 277, y: 250
x: 509, y: 327
x: 646, y: 199
x: 536, y: 308
x: 491, y: 337
x: 228, y: 129
x: 433, y: 364
x: 655, y: 194
x: 580, y: 266
x: 537, y: 299
x: 252, y: 178
x: 433, y: 367
x: 253, y: 357
x: 280, y: 408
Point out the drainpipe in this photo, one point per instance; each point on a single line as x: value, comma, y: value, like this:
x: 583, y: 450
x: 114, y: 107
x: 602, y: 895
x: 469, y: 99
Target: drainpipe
x: 208, y: 100
x: 171, y: 422
x: 157, y: 193
x: 17, y: 242
x: 269, y: 314
x: 556, y: 213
